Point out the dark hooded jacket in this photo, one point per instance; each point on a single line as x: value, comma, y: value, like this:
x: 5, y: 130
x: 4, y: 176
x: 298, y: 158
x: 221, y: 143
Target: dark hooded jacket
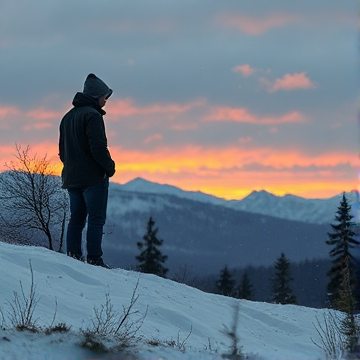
x: 83, y: 144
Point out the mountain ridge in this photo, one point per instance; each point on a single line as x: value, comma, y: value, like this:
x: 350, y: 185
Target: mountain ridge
x: 290, y: 207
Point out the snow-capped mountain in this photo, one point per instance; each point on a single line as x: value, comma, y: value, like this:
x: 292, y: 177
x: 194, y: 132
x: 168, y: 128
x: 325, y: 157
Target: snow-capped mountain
x: 145, y: 186
x: 205, y: 234
x: 290, y: 207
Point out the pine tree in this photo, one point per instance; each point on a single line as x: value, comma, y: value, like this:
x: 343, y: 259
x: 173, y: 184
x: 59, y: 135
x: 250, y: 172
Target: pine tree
x: 151, y: 260
x: 281, y: 291
x: 342, y: 272
x: 226, y: 283
x: 245, y: 289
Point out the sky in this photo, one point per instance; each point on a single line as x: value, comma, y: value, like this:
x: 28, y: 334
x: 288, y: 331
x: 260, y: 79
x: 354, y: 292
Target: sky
x: 221, y: 97
x: 72, y: 291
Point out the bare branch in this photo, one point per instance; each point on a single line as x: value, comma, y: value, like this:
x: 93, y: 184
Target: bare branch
x: 32, y: 198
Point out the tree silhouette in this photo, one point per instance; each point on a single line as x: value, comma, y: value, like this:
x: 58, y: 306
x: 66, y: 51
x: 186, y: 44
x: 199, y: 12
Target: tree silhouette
x: 226, y: 283
x: 245, y: 289
x: 342, y: 272
x: 151, y: 260
x: 281, y: 291
x: 32, y: 200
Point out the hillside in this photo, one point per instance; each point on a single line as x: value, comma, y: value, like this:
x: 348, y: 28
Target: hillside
x: 269, y: 331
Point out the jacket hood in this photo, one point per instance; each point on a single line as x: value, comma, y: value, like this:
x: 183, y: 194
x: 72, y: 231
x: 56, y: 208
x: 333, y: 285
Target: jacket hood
x: 81, y: 99
x: 95, y: 87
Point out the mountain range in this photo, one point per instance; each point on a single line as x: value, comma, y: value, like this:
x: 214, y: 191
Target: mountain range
x: 204, y: 233
x: 290, y: 207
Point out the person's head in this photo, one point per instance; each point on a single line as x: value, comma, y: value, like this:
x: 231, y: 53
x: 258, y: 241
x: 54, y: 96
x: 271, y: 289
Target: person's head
x: 102, y: 100
x: 97, y: 89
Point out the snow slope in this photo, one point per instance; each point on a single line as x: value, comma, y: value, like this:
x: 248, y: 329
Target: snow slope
x: 270, y: 331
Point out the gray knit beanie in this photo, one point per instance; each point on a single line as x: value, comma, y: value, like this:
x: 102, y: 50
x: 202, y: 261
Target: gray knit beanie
x: 95, y: 87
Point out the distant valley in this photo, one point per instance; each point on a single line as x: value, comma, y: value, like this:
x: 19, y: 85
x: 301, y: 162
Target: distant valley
x: 205, y: 233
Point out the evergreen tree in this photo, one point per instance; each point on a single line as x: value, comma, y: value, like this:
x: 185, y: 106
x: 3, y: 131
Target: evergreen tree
x: 245, y: 289
x: 226, y: 283
x: 151, y: 260
x: 281, y: 291
x: 342, y: 272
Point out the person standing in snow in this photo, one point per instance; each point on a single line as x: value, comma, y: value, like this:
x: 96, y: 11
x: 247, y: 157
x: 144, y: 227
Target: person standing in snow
x: 87, y: 167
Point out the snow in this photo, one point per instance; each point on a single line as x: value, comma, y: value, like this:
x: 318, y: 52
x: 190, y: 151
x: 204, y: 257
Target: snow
x: 144, y: 186
x: 175, y: 311
x: 290, y: 207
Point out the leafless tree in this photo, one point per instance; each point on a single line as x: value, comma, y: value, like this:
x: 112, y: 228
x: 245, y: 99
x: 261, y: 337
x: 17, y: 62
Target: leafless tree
x: 32, y: 200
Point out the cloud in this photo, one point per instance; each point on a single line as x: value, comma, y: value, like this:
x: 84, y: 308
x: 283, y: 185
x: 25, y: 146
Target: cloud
x: 38, y: 126
x: 153, y: 138
x: 8, y: 110
x: 245, y: 70
x: 245, y: 140
x: 243, y: 115
x: 288, y: 82
x: 5, y: 113
x: 218, y: 170
x: 257, y: 25
x: 126, y: 107
x: 166, y: 159
x: 43, y: 114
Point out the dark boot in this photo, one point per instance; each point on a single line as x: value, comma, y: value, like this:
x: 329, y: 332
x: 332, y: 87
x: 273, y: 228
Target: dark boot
x: 75, y: 256
x: 98, y: 262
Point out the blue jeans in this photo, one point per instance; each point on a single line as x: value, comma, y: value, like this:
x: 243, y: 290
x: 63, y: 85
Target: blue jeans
x: 91, y: 203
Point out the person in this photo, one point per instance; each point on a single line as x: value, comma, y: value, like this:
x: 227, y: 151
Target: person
x: 87, y: 166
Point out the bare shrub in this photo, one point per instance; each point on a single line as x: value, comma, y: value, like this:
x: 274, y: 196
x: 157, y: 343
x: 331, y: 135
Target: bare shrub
x: 232, y: 333
x: 178, y: 343
x: 58, y: 328
x: 22, y: 307
x: 32, y: 200
x: 109, y: 326
x: 332, y: 340
x: 89, y: 342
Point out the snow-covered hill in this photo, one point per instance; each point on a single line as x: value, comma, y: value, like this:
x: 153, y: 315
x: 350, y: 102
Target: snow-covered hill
x: 290, y: 207
x: 174, y: 311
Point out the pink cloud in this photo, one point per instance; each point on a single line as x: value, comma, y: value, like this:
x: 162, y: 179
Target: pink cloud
x: 37, y: 126
x: 153, y: 138
x: 43, y: 114
x: 244, y: 116
x: 245, y: 140
x: 184, y: 127
x: 245, y: 70
x: 257, y: 25
x: 292, y: 82
x: 5, y: 112
x: 126, y: 107
x: 8, y: 110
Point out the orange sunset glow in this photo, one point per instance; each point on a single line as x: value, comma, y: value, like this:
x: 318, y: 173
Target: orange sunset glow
x: 224, y: 100
x: 225, y: 173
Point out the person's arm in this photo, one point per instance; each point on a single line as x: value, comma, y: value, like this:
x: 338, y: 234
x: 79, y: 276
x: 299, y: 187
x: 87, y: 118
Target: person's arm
x: 95, y: 131
x: 61, y: 144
